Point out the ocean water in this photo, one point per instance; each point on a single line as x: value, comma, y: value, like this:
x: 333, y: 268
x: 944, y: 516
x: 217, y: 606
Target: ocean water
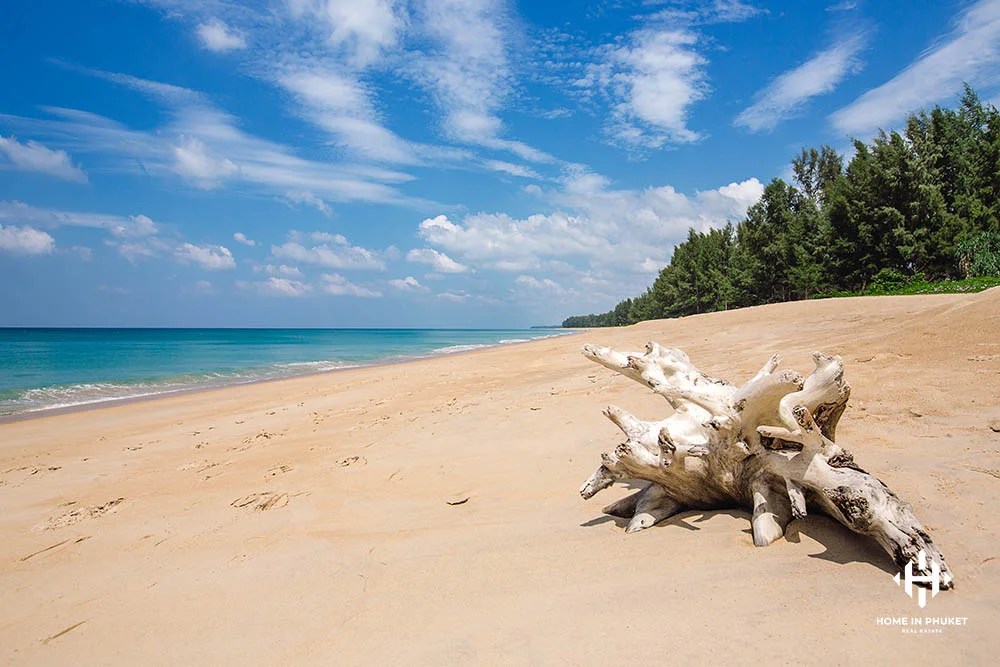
x: 43, y: 369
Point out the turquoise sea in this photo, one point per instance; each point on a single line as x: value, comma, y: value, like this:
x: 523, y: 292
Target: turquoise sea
x: 43, y: 369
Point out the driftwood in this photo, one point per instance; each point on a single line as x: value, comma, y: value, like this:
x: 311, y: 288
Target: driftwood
x: 767, y: 446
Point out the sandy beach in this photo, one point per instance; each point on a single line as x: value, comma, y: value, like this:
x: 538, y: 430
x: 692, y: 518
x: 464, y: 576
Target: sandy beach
x: 313, y: 520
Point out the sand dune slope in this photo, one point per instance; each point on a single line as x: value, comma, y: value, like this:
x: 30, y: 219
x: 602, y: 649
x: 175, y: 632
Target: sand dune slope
x: 308, y: 521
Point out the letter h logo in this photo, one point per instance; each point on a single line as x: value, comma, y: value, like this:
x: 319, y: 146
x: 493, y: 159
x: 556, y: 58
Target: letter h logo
x: 933, y: 579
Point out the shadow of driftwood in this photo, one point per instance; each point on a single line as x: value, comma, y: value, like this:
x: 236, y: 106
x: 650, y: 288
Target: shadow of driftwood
x: 841, y: 545
x: 605, y: 518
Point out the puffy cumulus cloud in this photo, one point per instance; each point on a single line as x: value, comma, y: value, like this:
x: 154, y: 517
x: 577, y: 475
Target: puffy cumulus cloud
x: 336, y: 284
x: 332, y: 251
x: 209, y: 257
x: 26, y: 240
x: 498, y: 241
x: 611, y: 241
x: 275, y: 286
x: 408, y: 284
x: 36, y: 157
x: 240, y: 237
x: 204, y: 287
x: 438, y: 261
x: 217, y: 36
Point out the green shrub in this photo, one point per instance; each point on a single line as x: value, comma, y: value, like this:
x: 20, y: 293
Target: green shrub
x: 891, y: 280
x: 979, y: 256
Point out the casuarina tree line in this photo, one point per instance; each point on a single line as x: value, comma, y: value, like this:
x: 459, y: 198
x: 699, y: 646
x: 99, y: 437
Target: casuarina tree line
x: 923, y: 204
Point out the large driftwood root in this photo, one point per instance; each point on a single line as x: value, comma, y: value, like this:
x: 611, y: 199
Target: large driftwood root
x: 767, y: 446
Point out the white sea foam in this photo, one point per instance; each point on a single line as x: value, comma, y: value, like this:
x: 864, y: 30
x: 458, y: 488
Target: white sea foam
x: 452, y: 349
x: 76, y: 395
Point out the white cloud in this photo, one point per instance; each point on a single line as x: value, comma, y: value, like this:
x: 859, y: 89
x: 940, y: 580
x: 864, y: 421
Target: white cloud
x: 204, y: 287
x: 133, y: 251
x: 217, y: 36
x: 464, y: 65
x: 360, y: 31
x: 543, y: 285
x: 613, y: 241
x: 336, y: 284
x: 333, y: 252
x: 206, y: 147
x: 512, y: 169
x: 209, y: 257
x: 455, y: 297
x: 283, y: 270
x: 970, y: 53
x: 438, y: 260
x: 467, y: 71
x: 240, y: 237
x: 138, y: 230
x: 136, y: 227
x: 334, y: 99
x: 33, y: 156
x: 787, y: 93
x: 26, y: 241
x: 194, y: 162
x: 311, y: 200
x: 408, y: 284
x: 275, y: 286
x: 652, y: 80
x: 701, y: 12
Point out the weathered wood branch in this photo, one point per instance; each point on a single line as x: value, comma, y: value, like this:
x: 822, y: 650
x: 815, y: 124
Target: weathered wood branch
x: 767, y: 446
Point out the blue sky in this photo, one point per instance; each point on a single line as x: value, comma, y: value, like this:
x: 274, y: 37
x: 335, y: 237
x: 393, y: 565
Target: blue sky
x: 460, y: 163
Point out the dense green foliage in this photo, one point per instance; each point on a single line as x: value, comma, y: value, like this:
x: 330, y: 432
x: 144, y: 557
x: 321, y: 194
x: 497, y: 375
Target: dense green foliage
x: 893, y: 283
x: 918, y: 208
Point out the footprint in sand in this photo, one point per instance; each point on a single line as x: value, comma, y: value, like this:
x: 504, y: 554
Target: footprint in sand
x: 81, y: 513
x: 252, y: 440
x: 351, y: 460
x: 987, y: 471
x: 261, y: 501
x: 22, y: 473
x: 278, y: 470
x: 263, y: 435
